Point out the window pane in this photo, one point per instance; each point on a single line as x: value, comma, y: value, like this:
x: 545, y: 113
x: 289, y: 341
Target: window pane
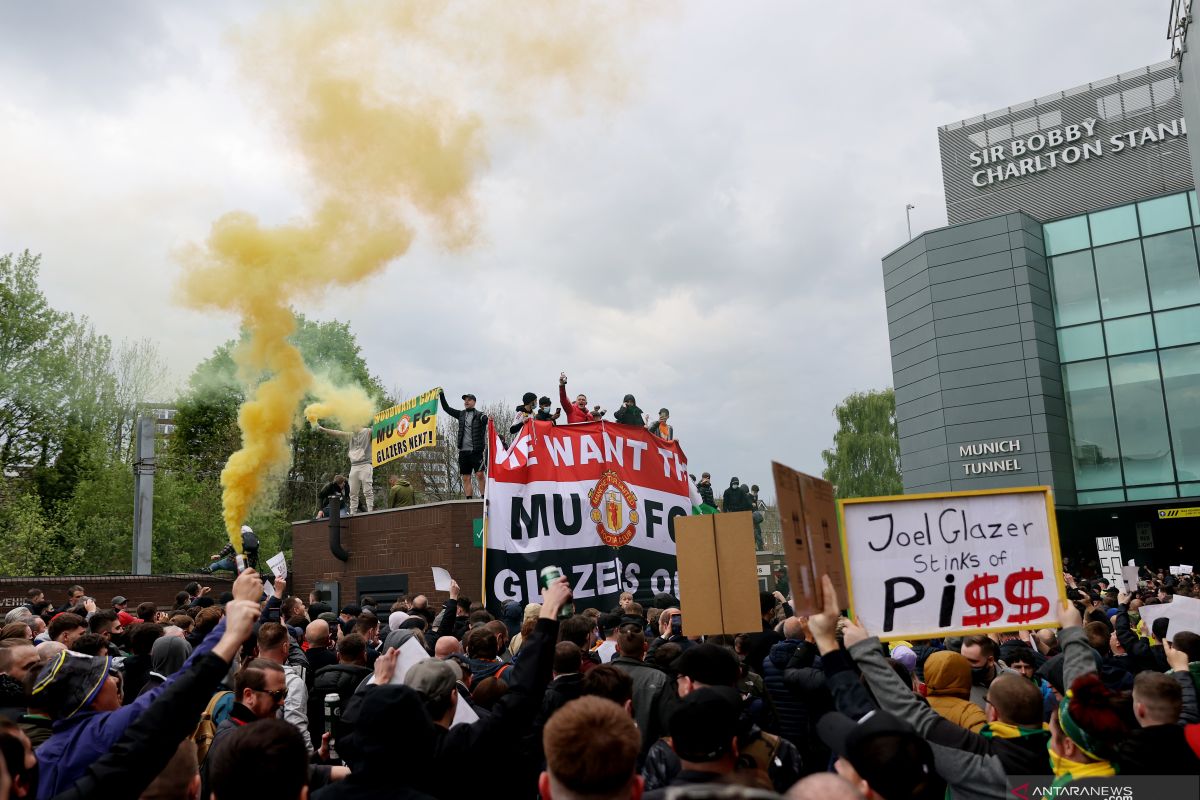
x: 1181, y: 377
x: 1152, y: 492
x: 1114, y: 225
x: 1164, y: 214
x: 1171, y: 266
x: 1195, y: 207
x: 1110, y: 496
x: 1066, y: 235
x: 1080, y: 343
x: 1093, y: 430
x: 1074, y: 289
x: 1141, y: 419
x: 1189, y: 490
x: 1122, y: 279
x: 1181, y: 326
x: 1129, y: 335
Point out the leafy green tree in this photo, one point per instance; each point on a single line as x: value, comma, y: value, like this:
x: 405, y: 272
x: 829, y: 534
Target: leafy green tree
x: 865, y: 458
x: 32, y: 365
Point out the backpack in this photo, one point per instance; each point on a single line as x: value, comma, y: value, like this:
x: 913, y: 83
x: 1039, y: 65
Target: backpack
x: 217, y: 710
x: 250, y: 546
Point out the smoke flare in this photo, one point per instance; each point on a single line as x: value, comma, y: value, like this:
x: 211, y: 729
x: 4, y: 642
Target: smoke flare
x: 385, y: 103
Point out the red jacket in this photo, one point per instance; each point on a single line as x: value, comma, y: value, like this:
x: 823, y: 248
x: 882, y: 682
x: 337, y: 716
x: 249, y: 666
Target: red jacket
x: 574, y: 412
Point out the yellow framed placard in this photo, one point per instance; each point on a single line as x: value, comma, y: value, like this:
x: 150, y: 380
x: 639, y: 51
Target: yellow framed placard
x: 932, y: 565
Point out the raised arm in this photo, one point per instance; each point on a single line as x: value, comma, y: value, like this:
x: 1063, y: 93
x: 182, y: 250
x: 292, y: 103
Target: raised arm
x: 332, y: 431
x: 454, y: 412
x: 150, y: 742
x: 1077, y: 653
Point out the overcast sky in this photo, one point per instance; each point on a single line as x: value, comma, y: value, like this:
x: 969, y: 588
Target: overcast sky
x: 710, y: 243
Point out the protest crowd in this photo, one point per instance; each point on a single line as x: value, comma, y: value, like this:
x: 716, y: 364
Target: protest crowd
x: 250, y: 695
x: 260, y: 694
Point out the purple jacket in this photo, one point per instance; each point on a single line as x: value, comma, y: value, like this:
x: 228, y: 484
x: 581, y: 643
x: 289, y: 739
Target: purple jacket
x: 81, y: 740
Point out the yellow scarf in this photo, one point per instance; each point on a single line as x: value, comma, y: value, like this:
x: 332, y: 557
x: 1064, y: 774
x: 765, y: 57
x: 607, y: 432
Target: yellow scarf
x: 1005, y: 730
x: 1066, y: 770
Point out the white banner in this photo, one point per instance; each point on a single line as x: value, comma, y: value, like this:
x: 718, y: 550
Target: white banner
x: 944, y: 565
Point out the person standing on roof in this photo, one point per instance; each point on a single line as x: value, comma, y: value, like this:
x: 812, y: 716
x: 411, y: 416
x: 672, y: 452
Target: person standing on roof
x: 472, y: 441
x: 577, y: 411
x: 361, y: 472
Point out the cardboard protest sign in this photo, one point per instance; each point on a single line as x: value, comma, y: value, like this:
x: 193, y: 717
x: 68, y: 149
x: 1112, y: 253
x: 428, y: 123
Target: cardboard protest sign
x: 1145, y: 536
x: 948, y: 564
x: 718, y: 579
x: 404, y: 428
x: 1108, y: 551
x: 598, y: 500
x: 811, y: 544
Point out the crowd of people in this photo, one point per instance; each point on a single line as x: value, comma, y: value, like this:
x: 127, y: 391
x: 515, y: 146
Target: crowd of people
x: 265, y: 695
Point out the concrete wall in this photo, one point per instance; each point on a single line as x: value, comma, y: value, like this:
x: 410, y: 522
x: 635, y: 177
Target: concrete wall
x: 402, y: 542
x: 975, y: 357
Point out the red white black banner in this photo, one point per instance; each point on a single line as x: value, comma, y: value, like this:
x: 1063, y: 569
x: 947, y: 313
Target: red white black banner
x: 598, y: 500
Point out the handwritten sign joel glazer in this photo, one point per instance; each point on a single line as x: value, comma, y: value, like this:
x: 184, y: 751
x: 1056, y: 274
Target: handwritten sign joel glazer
x: 946, y: 564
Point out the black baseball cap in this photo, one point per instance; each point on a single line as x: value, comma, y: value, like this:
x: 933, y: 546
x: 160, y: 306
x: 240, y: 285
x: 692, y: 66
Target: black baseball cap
x: 709, y: 664
x: 704, y: 723
x: 887, y: 752
x: 468, y: 396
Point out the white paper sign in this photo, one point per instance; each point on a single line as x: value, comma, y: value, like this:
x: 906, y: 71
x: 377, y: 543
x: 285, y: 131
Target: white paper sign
x: 1174, y: 570
x: 1185, y: 569
x: 1130, y: 574
x: 1108, y: 551
x: 464, y: 713
x: 278, y: 565
x: 1183, y: 613
x: 441, y: 579
x: 268, y: 590
x: 931, y: 566
x: 411, y: 652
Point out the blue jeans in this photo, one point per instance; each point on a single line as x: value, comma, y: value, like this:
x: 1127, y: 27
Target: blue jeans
x: 228, y: 563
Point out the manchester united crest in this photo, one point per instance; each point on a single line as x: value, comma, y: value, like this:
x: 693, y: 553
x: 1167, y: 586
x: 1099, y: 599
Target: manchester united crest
x: 614, y: 510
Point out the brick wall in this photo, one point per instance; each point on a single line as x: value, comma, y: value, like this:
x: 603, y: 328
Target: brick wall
x: 157, y: 589
x: 395, y: 542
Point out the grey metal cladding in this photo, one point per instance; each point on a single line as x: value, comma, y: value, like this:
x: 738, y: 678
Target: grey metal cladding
x: 981, y: 376
x: 1148, y: 96
x: 975, y: 302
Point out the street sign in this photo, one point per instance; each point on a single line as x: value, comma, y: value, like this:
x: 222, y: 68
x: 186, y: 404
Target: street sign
x: 1179, y: 513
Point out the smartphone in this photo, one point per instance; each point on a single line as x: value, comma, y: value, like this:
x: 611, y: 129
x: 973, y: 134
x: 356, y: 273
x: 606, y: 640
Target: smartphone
x: 677, y: 625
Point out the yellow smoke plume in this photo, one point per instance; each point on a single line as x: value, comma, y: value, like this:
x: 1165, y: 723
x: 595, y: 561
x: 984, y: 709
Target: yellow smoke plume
x: 349, y: 404
x: 385, y: 103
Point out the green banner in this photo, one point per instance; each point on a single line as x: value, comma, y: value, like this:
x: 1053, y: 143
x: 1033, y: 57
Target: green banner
x: 405, y: 428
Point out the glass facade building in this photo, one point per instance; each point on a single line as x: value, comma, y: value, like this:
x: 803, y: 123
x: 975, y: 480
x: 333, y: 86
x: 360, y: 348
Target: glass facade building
x: 1050, y: 334
x: 1126, y: 289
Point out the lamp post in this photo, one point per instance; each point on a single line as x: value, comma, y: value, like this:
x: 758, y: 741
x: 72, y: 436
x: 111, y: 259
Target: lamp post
x: 908, y: 216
